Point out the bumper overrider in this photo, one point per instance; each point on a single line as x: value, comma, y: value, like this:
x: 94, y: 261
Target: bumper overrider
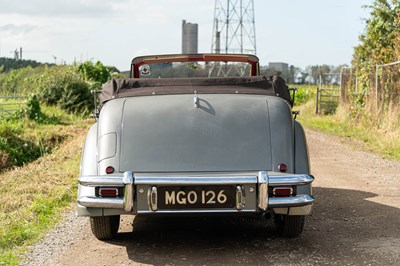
x: 211, y: 193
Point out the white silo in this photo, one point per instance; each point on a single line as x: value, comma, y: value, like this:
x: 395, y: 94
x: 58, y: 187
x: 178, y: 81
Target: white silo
x: 189, y: 38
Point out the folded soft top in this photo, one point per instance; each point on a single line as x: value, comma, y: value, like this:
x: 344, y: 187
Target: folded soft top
x: 130, y: 87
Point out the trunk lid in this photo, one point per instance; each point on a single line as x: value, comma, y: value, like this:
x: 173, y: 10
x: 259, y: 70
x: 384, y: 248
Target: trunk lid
x: 169, y: 134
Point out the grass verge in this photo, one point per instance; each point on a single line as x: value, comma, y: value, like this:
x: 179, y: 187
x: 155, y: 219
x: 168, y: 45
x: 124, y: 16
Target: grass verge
x: 34, y: 196
x: 369, y: 132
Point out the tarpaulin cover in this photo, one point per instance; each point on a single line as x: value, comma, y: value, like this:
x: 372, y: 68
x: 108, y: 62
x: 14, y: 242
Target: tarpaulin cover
x: 130, y: 87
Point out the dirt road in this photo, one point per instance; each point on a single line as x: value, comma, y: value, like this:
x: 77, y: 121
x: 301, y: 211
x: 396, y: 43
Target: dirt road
x: 356, y: 221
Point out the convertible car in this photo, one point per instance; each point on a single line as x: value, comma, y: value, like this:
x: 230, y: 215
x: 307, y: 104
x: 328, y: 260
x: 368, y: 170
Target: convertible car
x: 198, y: 134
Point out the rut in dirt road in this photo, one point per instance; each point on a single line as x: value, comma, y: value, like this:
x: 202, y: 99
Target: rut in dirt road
x: 356, y: 221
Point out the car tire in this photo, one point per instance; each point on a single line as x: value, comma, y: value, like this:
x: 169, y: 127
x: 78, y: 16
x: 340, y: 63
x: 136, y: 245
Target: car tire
x: 289, y: 225
x: 105, y: 227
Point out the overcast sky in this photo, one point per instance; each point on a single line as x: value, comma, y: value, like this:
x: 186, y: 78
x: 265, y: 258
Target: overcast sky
x: 298, y: 32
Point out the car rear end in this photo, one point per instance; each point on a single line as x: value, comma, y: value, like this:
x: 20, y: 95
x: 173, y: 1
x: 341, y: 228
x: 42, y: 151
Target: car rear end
x: 197, y: 154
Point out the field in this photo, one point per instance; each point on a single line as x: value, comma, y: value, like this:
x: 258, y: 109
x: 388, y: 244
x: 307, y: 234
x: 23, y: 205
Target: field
x: 10, y: 104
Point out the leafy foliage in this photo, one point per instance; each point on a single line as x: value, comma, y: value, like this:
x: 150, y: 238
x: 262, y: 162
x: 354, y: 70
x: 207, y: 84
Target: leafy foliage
x: 380, y: 42
x: 304, y: 94
x: 67, y: 87
x: 96, y: 72
x: 20, y: 81
x: 64, y: 87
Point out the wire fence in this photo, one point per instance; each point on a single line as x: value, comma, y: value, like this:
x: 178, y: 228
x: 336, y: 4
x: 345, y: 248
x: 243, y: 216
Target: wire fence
x: 387, y: 85
x: 384, y: 86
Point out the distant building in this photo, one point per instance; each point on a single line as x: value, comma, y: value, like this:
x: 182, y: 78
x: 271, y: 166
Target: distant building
x: 279, y: 67
x: 189, y: 38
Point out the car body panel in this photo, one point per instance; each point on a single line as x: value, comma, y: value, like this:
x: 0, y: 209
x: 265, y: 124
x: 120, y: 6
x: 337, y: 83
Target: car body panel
x: 173, y: 141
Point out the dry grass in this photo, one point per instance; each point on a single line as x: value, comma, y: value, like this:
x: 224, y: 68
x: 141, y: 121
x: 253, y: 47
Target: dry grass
x: 376, y: 131
x: 31, y: 196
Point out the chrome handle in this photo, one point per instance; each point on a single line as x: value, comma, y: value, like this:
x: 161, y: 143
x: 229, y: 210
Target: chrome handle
x: 152, y: 198
x: 240, y: 197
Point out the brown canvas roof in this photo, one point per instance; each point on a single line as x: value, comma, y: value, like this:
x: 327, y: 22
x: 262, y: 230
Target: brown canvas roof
x: 130, y: 87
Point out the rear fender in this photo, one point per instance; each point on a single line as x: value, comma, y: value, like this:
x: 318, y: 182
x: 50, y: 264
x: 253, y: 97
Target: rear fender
x: 88, y: 167
x: 89, y: 153
x: 302, y: 160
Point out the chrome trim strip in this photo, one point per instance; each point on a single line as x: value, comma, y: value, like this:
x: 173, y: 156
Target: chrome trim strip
x: 273, y: 180
x: 290, y: 180
x: 199, y: 180
x: 102, y: 180
x: 263, y: 190
x: 240, y: 198
x: 196, y: 211
x: 128, y: 181
x: 95, y: 202
x: 296, y: 201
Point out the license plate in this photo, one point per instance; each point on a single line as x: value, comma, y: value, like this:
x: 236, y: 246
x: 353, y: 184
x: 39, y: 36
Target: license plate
x: 196, y: 197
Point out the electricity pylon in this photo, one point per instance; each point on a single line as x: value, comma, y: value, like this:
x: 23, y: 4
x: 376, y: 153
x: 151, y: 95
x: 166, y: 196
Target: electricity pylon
x: 234, y: 27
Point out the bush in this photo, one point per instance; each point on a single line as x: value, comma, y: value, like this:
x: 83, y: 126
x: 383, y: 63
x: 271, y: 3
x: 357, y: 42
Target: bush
x: 304, y: 94
x: 63, y: 87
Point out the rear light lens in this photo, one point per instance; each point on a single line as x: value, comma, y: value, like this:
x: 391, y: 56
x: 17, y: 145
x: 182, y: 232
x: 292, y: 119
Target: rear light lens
x: 282, y: 167
x: 282, y: 191
x: 109, y: 170
x: 108, y: 192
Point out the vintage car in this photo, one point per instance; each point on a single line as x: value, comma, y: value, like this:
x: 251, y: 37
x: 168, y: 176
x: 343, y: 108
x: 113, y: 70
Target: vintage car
x: 198, y: 134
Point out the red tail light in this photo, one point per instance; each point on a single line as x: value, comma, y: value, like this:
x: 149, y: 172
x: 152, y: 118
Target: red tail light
x: 282, y: 167
x: 282, y: 191
x: 110, y: 170
x: 108, y: 192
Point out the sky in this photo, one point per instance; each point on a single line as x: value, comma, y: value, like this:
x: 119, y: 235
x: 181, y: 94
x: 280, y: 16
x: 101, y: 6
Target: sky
x: 297, y: 32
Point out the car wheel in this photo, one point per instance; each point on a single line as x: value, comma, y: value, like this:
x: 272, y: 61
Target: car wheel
x: 104, y: 227
x: 289, y: 225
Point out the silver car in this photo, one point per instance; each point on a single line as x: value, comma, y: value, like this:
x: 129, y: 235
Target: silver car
x: 195, y: 134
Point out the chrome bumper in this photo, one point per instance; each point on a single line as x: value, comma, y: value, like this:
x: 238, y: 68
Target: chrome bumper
x: 263, y: 182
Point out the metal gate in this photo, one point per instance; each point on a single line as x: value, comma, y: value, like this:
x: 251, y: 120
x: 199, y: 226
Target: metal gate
x: 327, y: 100
x: 328, y: 93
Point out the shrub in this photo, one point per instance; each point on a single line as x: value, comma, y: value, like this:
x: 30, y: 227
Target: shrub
x: 65, y: 88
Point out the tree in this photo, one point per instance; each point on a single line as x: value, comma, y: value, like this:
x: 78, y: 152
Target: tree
x: 96, y: 72
x: 380, y: 42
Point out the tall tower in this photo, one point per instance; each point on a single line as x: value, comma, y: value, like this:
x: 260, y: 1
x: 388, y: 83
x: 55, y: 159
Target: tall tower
x: 234, y: 27
x: 189, y: 38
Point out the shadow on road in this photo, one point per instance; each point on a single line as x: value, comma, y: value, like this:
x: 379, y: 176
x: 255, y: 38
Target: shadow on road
x: 345, y: 227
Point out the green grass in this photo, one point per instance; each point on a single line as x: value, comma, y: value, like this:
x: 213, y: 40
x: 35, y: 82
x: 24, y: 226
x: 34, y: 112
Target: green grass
x: 368, y: 131
x: 34, y: 195
x: 8, y: 106
x: 304, y: 94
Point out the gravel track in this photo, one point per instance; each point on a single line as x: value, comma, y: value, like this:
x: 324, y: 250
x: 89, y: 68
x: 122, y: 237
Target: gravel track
x: 356, y: 221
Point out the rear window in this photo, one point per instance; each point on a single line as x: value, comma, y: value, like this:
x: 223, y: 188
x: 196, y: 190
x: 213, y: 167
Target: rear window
x: 194, y: 69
